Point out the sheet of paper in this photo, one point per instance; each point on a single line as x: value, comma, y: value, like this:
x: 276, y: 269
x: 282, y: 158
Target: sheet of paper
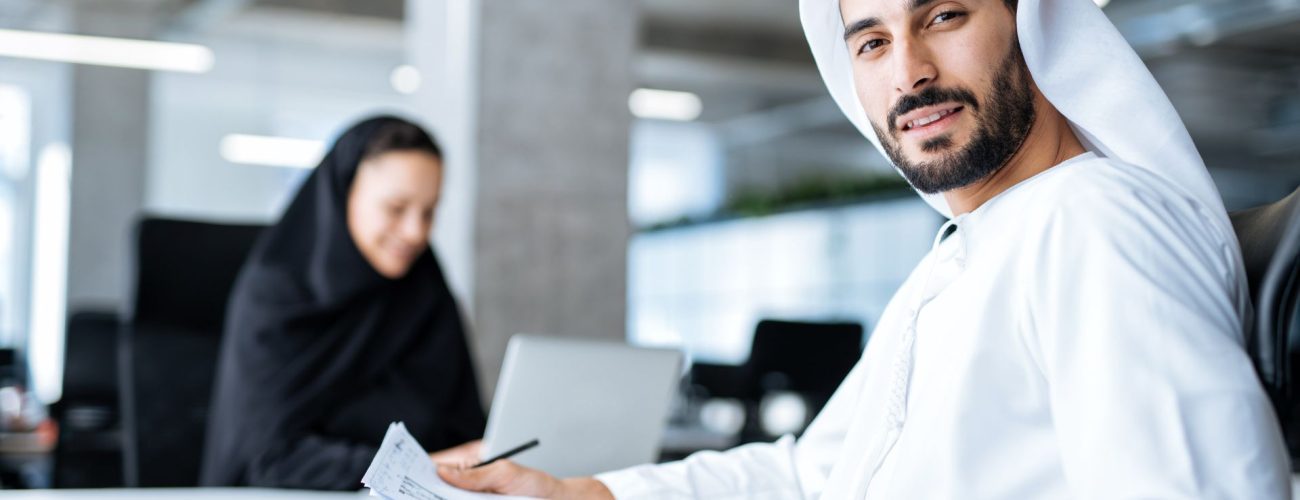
x: 401, y: 470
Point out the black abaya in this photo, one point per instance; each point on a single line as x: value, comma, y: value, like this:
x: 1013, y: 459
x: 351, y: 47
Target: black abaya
x: 321, y: 352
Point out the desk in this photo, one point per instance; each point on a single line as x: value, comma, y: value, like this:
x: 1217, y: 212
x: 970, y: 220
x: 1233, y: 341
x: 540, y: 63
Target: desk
x: 185, y: 493
x: 26, y: 458
x: 238, y: 493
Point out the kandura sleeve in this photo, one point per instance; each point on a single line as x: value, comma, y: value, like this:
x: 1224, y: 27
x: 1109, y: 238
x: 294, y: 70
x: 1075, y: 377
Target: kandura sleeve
x: 786, y: 469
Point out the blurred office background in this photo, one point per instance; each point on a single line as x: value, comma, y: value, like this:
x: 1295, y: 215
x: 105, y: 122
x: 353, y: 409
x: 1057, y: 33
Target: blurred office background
x: 665, y: 172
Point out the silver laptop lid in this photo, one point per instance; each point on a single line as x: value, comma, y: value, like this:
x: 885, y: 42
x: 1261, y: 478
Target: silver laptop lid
x: 595, y: 406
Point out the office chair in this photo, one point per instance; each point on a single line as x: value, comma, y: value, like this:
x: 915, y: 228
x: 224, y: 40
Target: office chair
x: 168, y: 351
x: 809, y: 359
x: 1270, y: 245
x: 89, y: 450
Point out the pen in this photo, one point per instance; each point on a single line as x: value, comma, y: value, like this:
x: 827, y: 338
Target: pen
x: 509, y: 453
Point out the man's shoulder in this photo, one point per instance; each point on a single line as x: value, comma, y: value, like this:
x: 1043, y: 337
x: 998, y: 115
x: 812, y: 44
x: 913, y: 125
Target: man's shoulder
x: 1108, y: 206
x: 1103, y: 188
x: 1090, y: 180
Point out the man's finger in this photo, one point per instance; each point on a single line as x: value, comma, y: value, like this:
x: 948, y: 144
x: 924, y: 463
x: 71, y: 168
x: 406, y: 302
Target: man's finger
x: 490, y: 478
x: 463, y: 454
x: 461, y: 477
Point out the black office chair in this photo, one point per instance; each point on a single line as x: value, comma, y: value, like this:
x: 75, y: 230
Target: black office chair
x: 712, y: 380
x: 1270, y: 244
x: 89, y: 451
x: 168, y: 351
x: 810, y: 359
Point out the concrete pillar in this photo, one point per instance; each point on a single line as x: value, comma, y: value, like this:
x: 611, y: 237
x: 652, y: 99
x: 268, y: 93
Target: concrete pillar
x: 109, y: 159
x: 552, y: 228
x: 549, y: 130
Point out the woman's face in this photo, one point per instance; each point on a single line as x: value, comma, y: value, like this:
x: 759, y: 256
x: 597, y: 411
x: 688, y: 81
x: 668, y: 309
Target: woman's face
x: 390, y: 208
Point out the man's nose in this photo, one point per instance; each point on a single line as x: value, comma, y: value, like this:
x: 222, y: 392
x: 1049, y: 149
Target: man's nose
x: 914, y: 68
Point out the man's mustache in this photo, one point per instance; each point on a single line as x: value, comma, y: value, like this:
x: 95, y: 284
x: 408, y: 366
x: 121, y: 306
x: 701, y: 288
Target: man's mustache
x: 929, y: 97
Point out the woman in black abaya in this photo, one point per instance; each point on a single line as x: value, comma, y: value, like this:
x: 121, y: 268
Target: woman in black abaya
x: 341, y: 322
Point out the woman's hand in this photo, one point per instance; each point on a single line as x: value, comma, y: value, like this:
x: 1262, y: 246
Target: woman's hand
x: 464, y: 455
x: 509, y: 478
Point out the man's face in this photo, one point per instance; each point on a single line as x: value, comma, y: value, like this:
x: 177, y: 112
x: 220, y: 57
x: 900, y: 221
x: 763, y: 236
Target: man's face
x: 943, y: 83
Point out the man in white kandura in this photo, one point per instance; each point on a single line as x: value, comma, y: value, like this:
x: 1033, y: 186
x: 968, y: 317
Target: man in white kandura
x: 1076, y: 330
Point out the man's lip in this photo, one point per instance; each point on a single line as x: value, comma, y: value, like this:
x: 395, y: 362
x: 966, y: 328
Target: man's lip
x: 916, y: 114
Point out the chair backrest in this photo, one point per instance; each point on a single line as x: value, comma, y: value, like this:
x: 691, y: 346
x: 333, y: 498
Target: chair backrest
x: 1270, y: 245
x: 89, y: 450
x: 809, y: 358
x: 713, y: 380
x: 89, y: 369
x: 168, y: 351
x: 185, y: 269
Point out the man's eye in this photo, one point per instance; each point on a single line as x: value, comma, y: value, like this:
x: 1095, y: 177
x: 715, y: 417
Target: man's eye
x: 946, y: 16
x: 872, y: 44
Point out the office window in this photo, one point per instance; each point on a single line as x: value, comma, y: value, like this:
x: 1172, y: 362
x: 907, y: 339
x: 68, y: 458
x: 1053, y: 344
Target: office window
x: 704, y: 287
x: 15, y: 141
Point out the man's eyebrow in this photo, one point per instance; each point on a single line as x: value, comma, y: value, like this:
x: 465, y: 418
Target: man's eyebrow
x: 917, y: 4
x: 871, y: 22
x: 863, y: 25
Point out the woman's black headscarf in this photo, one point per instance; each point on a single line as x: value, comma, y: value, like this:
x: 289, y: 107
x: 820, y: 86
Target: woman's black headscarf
x: 321, y: 352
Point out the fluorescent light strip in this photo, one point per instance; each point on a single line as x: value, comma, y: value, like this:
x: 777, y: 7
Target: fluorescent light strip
x: 272, y: 151
x: 102, y: 51
x: 664, y: 104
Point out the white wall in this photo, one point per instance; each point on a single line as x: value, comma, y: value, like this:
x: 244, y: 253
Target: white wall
x: 285, y: 81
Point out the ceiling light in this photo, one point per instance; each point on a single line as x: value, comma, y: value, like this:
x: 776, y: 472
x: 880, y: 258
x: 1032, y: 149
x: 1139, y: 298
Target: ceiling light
x: 272, y: 151
x: 405, y: 79
x: 116, y: 52
x: 664, y: 104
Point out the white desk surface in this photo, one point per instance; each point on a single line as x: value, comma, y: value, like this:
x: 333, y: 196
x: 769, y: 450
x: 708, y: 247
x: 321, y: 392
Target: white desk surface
x: 182, y: 493
x: 240, y: 493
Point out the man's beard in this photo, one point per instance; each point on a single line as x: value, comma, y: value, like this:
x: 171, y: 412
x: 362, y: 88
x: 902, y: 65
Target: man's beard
x: 998, y: 134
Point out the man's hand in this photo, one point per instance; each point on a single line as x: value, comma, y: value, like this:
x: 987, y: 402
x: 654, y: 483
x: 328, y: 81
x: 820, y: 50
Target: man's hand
x: 508, y: 478
x: 465, y: 455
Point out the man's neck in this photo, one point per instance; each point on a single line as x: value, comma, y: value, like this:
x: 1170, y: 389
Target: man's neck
x: 1050, y: 142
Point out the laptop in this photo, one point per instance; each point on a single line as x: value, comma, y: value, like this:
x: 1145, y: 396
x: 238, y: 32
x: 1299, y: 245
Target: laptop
x: 595, y: 406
